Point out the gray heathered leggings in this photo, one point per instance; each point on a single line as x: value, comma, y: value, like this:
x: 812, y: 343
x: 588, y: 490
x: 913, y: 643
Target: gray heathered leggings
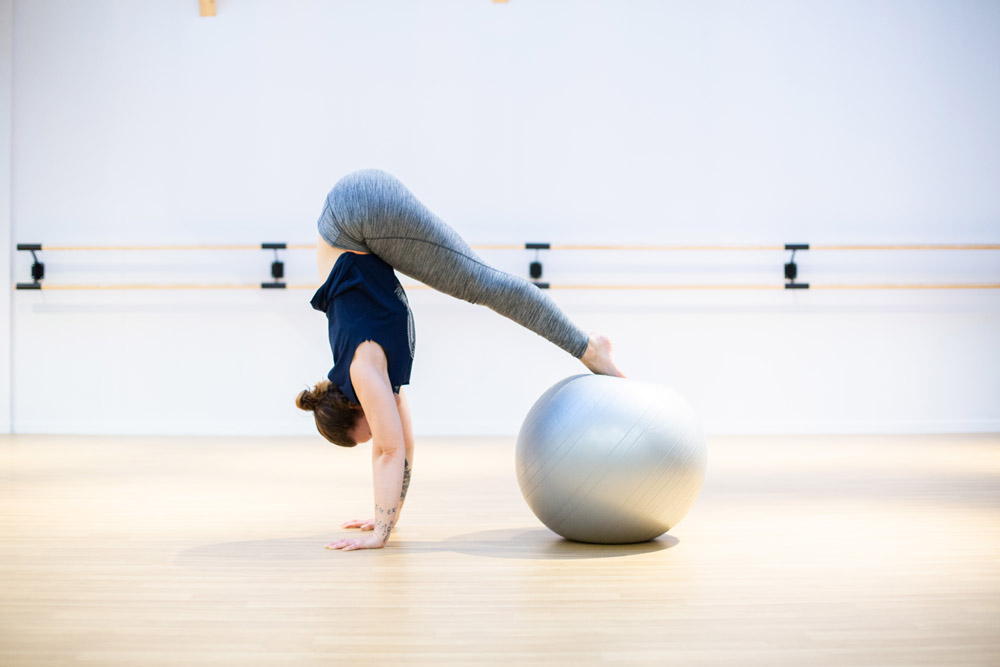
x: 372, y: 211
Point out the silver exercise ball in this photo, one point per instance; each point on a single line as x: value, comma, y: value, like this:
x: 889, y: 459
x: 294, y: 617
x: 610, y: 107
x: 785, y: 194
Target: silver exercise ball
x: 610, y: 460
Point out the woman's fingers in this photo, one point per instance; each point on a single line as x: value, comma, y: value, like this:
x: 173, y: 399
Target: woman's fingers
x: 367, y: 542
x: 363, y: 524
x: 340, y: 544
x: 346, y: 545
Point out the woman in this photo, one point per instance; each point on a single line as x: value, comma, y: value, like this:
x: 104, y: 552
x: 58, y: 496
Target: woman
x: 372, y: 224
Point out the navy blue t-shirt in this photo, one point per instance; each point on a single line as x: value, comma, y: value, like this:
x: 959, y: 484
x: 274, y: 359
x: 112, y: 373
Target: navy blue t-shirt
x: 364, y: 301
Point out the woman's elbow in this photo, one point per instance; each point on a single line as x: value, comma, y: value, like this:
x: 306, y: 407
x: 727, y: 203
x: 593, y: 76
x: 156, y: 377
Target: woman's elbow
x: 389, y: 451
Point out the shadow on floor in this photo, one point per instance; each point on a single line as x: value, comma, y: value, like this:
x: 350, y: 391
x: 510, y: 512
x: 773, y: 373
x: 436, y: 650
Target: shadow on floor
x: 517, y: 543
x: 534, y: 544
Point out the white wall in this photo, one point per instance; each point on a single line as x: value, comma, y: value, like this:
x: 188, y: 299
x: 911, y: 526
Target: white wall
x: 583, y: 121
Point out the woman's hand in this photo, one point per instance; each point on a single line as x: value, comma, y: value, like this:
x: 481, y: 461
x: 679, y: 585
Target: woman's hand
x: 359, y: 523
x: 366, y: 542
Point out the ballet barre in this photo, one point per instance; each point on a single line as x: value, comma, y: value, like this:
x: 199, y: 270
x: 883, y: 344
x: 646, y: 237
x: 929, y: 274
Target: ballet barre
x: 575, y: 287
x: 532, y: 246
x: 535, y: 268
x: 38, y: 268
x: 791, y: 269
x: 170, y: 248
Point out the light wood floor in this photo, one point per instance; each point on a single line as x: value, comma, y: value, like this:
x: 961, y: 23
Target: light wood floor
x: 191, y: 551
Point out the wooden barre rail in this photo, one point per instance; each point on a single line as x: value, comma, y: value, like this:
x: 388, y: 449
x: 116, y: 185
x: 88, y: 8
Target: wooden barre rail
x: 783, y: 287
x: 534, y: 246
x: 917, y: 246
x: 636, y: 288
x: 40, y: 247
x: 772, y: 248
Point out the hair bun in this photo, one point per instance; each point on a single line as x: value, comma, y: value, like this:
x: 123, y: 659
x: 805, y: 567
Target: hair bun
x: 309, y: 399
x: 305, y: 400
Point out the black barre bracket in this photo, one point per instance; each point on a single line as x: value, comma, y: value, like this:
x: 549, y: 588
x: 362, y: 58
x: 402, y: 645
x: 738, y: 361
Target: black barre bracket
x: 277, y: 266
x: 272, y: 285
x: 37, y: 268
x: 541, y: 285
x: 792, y: 269
x: 535, y: 268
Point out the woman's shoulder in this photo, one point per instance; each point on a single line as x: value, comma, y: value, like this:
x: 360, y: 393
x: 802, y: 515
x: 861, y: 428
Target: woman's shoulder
x: 370, y: 353
x: 369, y: 365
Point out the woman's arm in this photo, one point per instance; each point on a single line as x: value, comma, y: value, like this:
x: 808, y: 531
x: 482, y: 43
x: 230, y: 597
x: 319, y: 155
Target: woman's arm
x: 370, y: 378
x: 408, y: 441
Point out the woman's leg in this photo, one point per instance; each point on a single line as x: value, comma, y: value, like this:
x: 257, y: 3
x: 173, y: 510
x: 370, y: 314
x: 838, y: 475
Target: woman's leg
x: 401, y: 230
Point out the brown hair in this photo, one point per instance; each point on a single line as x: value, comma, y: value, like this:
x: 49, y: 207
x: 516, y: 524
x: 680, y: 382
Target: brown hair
x: 335, y: 414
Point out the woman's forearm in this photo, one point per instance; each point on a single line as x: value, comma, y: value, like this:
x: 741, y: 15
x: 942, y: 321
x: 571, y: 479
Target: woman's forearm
x: 388, y: 472
x: 406, y: 485
x: 406, y: 423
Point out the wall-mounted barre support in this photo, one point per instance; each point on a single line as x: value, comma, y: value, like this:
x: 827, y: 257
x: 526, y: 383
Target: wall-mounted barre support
x: 37, y: 268
x: 535, y: 268
x: 277, y: 266
x: 792, y: 269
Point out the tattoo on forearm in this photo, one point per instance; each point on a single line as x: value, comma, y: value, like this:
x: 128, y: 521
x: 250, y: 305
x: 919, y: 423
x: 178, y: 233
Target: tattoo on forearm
x: 386, y: 516
x: 383, y: 521
x: 382, y: 530
x: 406, y: 480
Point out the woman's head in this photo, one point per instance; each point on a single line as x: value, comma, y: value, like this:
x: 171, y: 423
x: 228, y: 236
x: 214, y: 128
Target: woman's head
x: 337, y: 419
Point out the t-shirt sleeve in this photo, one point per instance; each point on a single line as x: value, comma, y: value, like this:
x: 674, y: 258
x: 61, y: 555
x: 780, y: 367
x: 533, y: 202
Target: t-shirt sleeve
x: 331, y: 289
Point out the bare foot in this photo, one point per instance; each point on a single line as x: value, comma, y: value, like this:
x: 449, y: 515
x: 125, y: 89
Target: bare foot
x: 598, y: 356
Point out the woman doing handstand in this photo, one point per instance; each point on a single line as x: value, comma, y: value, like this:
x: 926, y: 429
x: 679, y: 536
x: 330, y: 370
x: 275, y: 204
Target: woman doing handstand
x: 370, y: 225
